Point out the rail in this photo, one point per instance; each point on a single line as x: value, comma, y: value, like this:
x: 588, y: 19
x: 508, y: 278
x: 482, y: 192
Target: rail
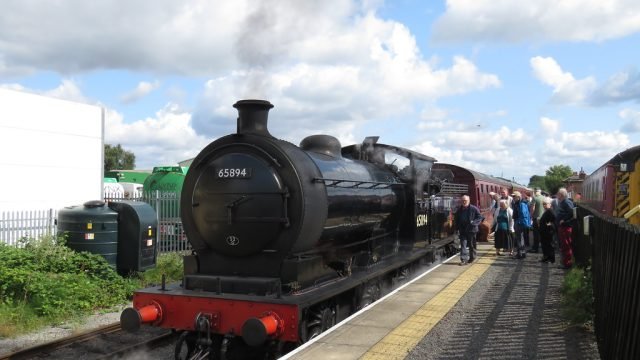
x: 34, y: 351
x: 101, y: 343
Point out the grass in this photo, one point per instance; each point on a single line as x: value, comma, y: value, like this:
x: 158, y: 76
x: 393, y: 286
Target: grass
x: 44, y: 283
x: 577, y: 297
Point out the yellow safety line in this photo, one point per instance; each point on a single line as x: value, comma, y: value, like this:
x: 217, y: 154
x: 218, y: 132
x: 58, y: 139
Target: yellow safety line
x: 399, y: 342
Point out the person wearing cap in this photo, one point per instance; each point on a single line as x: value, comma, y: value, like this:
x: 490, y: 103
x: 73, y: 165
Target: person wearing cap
x: 536, y: 214
x: 522, y: 224
x: 467, y: 219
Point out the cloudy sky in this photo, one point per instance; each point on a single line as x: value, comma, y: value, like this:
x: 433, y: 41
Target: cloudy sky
x: 505, y: 87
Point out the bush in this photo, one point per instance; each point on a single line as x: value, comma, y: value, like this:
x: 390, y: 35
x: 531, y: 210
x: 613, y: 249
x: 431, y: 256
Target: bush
x: 169, y: 264
x: 56, y: 282
x: 44, y: 283
x: 577, y: 296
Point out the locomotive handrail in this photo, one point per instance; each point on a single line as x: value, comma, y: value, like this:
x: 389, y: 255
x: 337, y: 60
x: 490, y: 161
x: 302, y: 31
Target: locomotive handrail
x: 356, y: 183
x: 345, y: 246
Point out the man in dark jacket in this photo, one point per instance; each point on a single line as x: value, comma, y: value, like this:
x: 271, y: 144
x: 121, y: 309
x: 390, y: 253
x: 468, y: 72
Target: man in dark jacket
x: 467, y: 219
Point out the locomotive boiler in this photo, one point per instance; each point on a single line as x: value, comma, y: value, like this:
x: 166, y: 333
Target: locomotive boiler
x: 287, y: 239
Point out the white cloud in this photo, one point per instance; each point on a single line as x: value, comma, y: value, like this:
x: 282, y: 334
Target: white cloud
x: 498, y: 113
x: 142, y: 89
x: 385, y: 78
x: 433, y: 118
x: 621, y: 87
x: 510, y: 162
x: 328, y: 66
x: 153, y: 35
x: 67, y: 90
x: 161, y: 140
x: 548, y: 71
x: 632, y: 120
x: 566, y: 89
x: 540, y: 20
x: 501, y: 139
x: 512, y: 153
x: 549, y: 126
x: 586, y: 145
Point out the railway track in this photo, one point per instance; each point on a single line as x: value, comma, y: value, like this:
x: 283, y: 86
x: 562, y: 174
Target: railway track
x: 106, y: 342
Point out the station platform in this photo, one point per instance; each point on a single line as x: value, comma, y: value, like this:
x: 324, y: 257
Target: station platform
x: 495, y: 308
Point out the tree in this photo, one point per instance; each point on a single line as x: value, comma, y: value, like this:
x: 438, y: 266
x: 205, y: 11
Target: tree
x: 117, y: 158
x: 537, y: 181
x: 555, y: 176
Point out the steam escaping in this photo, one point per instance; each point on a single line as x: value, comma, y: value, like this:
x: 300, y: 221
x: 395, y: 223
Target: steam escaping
x: 258, y: 46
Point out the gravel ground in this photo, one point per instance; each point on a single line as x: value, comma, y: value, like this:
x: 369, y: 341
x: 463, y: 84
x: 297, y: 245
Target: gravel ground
x: 57, y: 332
x: 512, y: 312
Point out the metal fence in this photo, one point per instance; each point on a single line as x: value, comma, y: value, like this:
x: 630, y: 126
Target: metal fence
x: 170, y: 236
x: 17, y: 225
x: 615, y: 250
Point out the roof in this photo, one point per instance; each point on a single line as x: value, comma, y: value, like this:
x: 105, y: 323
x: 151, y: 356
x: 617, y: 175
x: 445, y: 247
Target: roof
x: 629, y: 157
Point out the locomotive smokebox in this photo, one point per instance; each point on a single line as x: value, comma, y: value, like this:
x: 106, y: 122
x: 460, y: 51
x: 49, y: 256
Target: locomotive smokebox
x: 253, y: 116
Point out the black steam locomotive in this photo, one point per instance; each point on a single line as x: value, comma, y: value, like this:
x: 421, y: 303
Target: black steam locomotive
x: 289, y: 240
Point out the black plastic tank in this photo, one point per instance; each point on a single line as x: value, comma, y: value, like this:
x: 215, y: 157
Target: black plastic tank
x: 91, y: 227
x: 137, y: 230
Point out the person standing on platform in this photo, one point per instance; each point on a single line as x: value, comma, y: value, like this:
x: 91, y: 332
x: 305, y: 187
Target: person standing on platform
x: 535, y: 217
x: 503, y: 226
x: 527, y: 200
x: 504, y: 195
x: 522, y: 224
x: 565, y: 221
x: 547, y: 228
x: 466, y: 220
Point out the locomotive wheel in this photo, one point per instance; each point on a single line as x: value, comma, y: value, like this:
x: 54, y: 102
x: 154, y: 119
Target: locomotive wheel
x: 313, y: 332
x: 186, y: 338
x: 234, y: 348
x: 369, y: 293
x: 278, y: 349
x: 187, y: 348
x: 318, y: 320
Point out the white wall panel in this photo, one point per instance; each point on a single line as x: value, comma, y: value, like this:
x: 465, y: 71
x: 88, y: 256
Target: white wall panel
x: 50, y: 152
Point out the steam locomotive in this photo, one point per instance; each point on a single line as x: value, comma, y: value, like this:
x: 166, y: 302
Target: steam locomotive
x: 288, y: 240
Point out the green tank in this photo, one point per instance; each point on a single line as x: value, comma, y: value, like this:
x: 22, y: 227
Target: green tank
x: 92, y: 227
x: 162, y: 191
x: 166, y: 179
x: 165, y: 183
x: 130, y: 176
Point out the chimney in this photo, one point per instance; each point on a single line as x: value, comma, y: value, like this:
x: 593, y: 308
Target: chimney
x: 582, y: 174
x: 252, y: 117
